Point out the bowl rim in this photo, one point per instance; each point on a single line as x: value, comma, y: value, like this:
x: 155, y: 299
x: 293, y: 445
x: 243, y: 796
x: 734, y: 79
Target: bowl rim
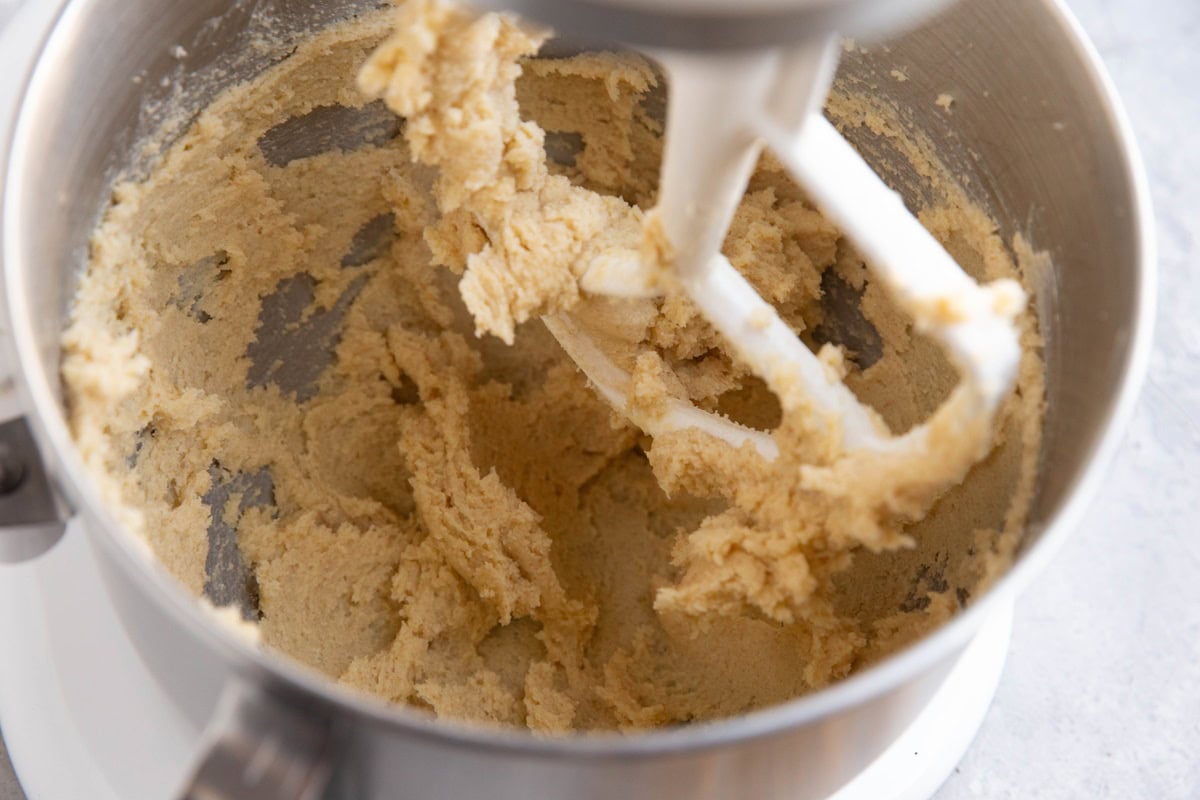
x: 255, y: 663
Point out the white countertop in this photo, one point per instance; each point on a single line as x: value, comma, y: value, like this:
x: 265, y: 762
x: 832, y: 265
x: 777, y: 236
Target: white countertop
x: 1101, y: 694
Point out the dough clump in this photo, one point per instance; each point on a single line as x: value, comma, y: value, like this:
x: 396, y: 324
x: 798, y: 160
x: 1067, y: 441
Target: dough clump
x: 527, y: 236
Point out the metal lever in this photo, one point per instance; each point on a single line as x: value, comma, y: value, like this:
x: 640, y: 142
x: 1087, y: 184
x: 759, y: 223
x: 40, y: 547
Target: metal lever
x: 260, y: 747
x: 31, y: 518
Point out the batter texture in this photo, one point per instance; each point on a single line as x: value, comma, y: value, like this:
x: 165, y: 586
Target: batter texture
x: 306, y: 366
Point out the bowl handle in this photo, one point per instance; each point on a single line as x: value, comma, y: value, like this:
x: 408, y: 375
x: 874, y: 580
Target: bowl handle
x: 260, y: 746
x: 32, y: 519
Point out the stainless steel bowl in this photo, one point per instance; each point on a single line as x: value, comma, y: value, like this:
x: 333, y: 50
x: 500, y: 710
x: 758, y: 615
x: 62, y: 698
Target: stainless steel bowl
x: 1055, y: 160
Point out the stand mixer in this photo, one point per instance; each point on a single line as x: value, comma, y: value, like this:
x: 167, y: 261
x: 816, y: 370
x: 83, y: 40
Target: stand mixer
x: 810, y: 746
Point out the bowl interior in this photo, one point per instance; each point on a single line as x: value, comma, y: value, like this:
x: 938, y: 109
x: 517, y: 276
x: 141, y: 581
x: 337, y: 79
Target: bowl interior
x: 1029, y: 133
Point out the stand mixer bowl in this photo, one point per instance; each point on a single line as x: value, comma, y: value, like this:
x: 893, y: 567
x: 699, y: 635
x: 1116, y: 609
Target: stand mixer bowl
x: 1039, y: 134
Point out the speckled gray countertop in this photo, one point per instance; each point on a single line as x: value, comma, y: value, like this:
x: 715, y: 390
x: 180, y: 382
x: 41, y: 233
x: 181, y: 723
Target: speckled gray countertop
x: 1101, y: 694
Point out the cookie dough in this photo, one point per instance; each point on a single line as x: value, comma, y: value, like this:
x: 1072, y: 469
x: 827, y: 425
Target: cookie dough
x: 305, y: 365
x: 524, y: 238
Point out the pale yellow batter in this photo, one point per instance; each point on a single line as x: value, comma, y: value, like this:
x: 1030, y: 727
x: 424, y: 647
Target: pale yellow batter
x: 276, y: 340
